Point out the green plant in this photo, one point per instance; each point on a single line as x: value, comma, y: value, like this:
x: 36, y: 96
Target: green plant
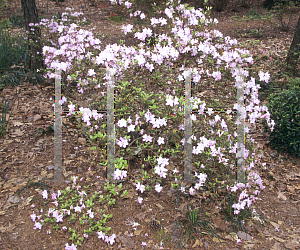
x: 236, y: 220
x: 256, y: 33
x: 72, y: 199
x: 162, y: 236
x: 219, y: 5
x: 15, y: 73
x: 8, y: 78
x: 5, y: 24
x: 267, y: 88
x: 33, y: 184
x: 263, y: 19
x: 195, y: 222
x: 151, y: 41
x: 282, y: 10
x: 3, y: 3
x: 13, y: 51
x: 49, y: 130
x: 285, y: 111
x: 147, y: 6
x: 16, y: 21
x: 293, y: 82
x: 253, y: 14
x: 41, y: 131
x: 85, y: 22
x: 116, y: 18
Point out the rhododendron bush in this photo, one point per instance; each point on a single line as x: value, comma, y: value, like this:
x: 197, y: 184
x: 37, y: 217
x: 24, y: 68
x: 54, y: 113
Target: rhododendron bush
x: 79, y: 54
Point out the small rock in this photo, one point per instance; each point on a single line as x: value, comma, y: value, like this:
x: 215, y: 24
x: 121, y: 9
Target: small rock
x: 13, y: 199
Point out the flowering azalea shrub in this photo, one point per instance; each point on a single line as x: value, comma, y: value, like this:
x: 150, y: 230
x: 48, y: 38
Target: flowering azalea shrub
x: 73, y: 204
x: 79, y: 55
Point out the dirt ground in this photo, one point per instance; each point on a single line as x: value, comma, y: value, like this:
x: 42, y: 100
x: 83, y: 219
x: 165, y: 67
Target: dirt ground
x: 24, y: 156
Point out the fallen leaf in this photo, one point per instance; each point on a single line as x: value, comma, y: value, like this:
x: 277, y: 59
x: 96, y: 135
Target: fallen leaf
x: 13, y: 199
x: 290, y: 188
x: 68, y: 161
x: 231, y: 236
x: 197, y: 243
x: 160, y: 206
x: 18, y: 132
x: 7, y: 229
x: 249, y: 246
x: 82, y: 140
x: 292, y: 244
x: 281, y: 196
x: 218, y: 222
x: 279, y: 239
x: 294, y: 236
x: 181, y: 207
x: 274, y: 224
x: 126, y: 241
x: 280, y: 222
x: 217, y: 240
x: 276, y: 246
x: 17, y: 123
x: 138, y: 232
x: 140, y: 216
x: 43, y: 173
x: 36, y: 117
x: 130, y: 194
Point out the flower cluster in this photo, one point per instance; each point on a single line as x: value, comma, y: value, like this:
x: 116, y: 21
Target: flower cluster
x: 63, y: 209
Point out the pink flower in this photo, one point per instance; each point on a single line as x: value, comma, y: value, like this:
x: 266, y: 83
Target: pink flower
x: 101, y: 235
x: 33, y: 216
x: 238, y: 241
x: 37, y: 225
x: 140, y: 200
x: 45, y: 194
x: 158, y: 188
x: 72, y: 247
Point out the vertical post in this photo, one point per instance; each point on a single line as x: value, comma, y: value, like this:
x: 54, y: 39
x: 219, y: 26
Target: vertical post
x: 240, y: 127
x: 58, y: 134
x: 110, y: 124
x: 187, y: 129
x: 57, y: 130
